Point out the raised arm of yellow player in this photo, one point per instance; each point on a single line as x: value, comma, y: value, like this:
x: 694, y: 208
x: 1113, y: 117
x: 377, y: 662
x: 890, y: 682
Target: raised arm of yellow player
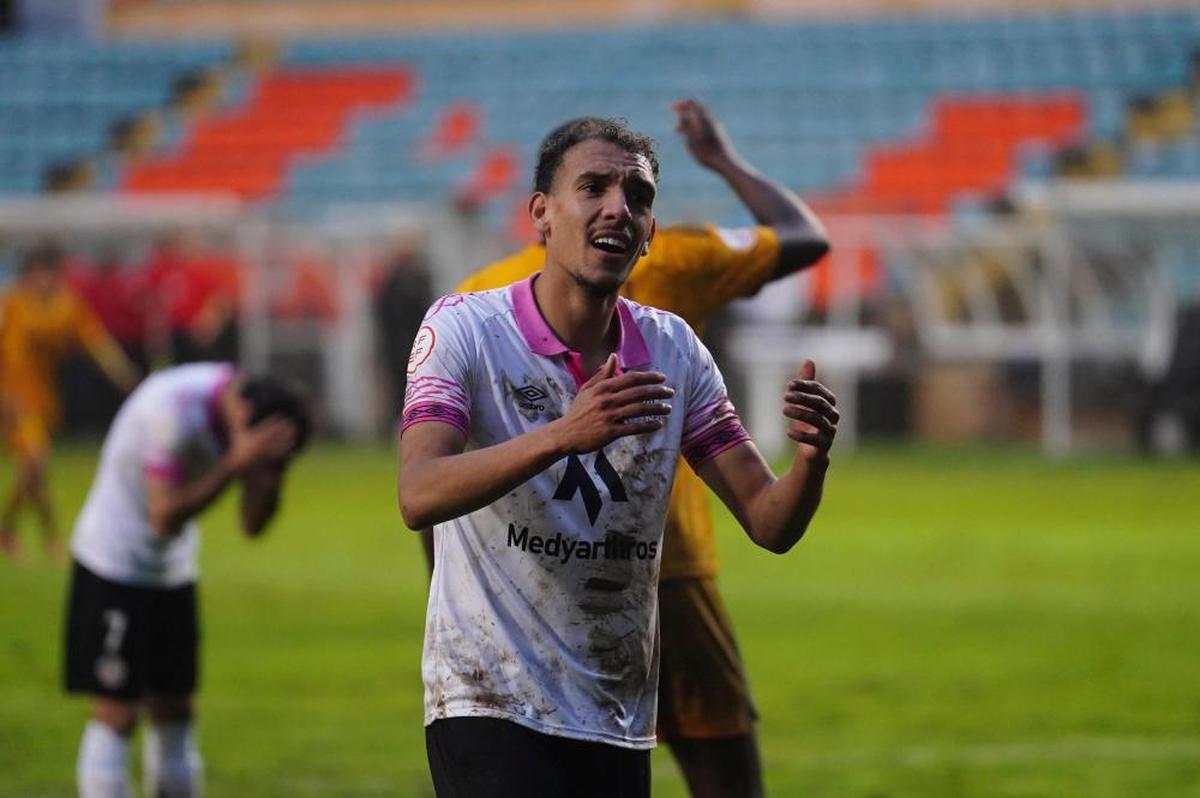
x: 803, y: 239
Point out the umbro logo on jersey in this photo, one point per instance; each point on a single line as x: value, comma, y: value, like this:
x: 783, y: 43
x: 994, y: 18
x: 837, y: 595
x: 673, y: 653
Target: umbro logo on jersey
x: 530, y: 397
x: 531, y: 393
x: 576, y: 480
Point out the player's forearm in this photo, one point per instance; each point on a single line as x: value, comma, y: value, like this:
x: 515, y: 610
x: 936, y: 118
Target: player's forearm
x: 169, y: 514
x: 781, y: 513
x: 803, y: 237
x: 436, y: 489
x: 259, y: 503
x: 116, y: 366
x: 768, y: 202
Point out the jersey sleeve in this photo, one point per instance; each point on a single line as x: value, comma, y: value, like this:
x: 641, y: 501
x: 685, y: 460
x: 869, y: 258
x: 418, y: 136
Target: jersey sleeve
x: 439, y: 368
x: 711, y: 424
x: 162, y: 452
x: 713, y: 266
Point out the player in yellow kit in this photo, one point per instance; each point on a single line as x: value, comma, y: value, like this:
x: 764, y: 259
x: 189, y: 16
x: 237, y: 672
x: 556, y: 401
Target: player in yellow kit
x: 41, y: 321
x: 705, y: 712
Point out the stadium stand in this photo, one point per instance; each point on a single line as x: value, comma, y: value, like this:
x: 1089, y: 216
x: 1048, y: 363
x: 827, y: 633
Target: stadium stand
x: 826, y: 105
x: 246, y: 152
x: 60, y: 99
x: 901, y: 114
x: 972, y: 146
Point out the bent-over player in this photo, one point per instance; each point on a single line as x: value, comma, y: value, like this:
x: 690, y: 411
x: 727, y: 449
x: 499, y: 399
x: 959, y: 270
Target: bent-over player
x: 183, y: 437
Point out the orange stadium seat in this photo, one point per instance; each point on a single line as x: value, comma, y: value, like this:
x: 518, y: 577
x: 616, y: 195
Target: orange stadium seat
x: 458, y: 126
x: 495, y: 174
x: 1049, y: 118
x: 247, y: 152
x: 971, y: 147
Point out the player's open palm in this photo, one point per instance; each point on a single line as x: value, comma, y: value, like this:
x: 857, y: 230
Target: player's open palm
x: 812, y: 413
x: 704, y: 136
x: 608, y: 407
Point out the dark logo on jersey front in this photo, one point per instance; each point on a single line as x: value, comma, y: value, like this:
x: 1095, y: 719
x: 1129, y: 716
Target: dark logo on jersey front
x: 577, y: 480
x: 530, y: 397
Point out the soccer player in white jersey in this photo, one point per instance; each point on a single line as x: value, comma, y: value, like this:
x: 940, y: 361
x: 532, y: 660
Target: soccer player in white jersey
x: 541, y: 428
x: 183, y: 437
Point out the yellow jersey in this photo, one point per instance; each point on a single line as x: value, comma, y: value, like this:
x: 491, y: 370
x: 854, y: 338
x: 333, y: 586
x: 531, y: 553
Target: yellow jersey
x: 36, y: 333
x: 692, y: 272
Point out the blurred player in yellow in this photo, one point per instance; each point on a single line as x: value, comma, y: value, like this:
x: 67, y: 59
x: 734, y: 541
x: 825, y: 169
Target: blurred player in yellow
x: 41, y: 322
x: 705, y: 711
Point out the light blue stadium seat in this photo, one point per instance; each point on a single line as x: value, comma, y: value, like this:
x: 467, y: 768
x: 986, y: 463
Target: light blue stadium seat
x: 59, y: 98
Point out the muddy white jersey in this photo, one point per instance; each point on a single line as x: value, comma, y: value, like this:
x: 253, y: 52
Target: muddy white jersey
x: 543, y: 605
x: 168, y: 427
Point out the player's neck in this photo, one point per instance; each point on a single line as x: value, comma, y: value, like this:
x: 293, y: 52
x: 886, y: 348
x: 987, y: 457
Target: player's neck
x: 583, y: 320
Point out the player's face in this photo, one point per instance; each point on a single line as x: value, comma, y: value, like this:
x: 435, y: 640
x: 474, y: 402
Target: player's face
x: 598, y: 214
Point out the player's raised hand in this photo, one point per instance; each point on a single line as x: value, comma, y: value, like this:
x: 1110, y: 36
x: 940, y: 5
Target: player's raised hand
x: 704, y: 136
x: 269, y: 441
x: 608, y: 407
x: 810, y: 406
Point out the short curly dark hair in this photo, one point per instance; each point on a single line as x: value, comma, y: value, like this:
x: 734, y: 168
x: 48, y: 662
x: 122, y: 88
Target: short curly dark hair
x: 586, y: 128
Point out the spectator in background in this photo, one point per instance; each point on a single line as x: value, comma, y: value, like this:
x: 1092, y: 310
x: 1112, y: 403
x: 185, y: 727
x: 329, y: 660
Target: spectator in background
x: 194, y: 292
x: 41, y: 321
x: 400, y: 302
x: 116, y: 293
x: 307, y: 286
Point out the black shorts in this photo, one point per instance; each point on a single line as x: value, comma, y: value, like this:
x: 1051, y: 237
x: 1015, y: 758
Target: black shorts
x: 126, y: 642
x: 493, y: 758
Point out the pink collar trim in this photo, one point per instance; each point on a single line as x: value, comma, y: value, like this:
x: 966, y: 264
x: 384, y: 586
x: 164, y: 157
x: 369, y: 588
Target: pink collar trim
x: 541, y: 339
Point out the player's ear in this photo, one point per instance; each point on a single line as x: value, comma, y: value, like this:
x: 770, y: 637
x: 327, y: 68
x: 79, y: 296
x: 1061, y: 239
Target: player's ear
x: 539, y: 213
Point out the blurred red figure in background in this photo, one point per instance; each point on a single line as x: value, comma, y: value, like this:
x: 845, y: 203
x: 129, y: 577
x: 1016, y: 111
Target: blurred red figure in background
x: 194, y: 298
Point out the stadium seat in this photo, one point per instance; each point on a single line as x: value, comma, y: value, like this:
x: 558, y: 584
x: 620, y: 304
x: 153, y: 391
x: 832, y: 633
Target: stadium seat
x: 824, y: 105
x: 246, y: 151
x: 58, y: 99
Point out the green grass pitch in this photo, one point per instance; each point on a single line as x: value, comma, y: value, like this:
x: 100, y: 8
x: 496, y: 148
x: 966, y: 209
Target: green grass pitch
x: 957, y: 624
